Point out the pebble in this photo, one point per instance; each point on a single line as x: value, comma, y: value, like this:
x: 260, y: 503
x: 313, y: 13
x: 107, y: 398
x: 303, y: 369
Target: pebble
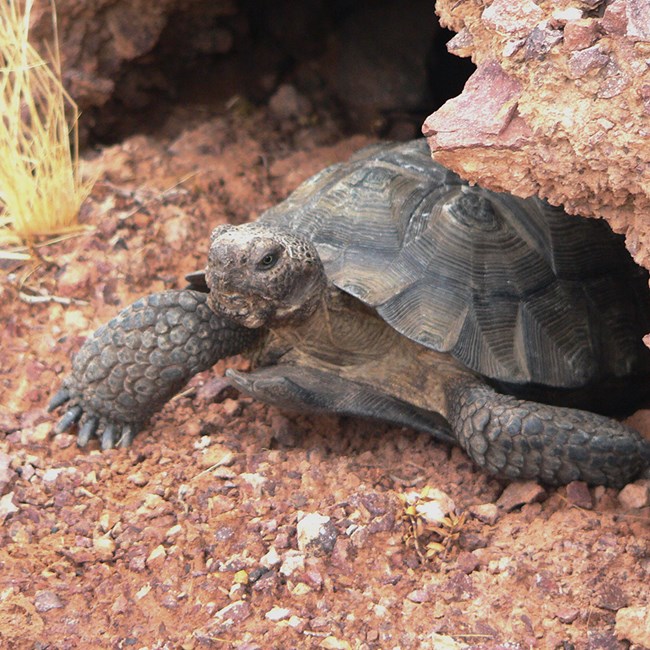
x: 156, y: 558
x: 515, y: 19
x: 611, y: 597
x: 173, y: 531
x: 633, y: 624
x: 583, y: 61
x: 277, y: 614
x: 139, y: 478
x: 316, y: 534
x: 271, y: 558
x: 419, y: 596
x: 333, y: 643
x: 467, y: 562
x: 488, y: 513
x: 635, y: 495
x: 567, y: 614
x: 230, y: 615
x: 237, y: 592
x: 217, y: 456
x: 444, y: 642
x: 6, y: 473
x: 580, y: 34
x: 287, y: 102
x: 46, y: 600
x: 293, y: 561
x: 300, y: 589
x: 7, y: 506
x: 104, y: 547
x: 520, y: 492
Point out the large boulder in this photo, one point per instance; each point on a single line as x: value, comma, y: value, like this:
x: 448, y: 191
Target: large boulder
x: 559, y: 106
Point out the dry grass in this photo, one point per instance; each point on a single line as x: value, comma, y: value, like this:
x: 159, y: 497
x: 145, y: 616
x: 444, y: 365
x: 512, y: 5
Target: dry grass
x: 40, y: 186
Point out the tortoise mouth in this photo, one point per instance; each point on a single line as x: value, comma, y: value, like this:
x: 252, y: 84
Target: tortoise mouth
x: 238, y: 308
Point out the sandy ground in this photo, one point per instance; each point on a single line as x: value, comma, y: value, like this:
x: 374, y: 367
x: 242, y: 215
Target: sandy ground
x: 192, y: 538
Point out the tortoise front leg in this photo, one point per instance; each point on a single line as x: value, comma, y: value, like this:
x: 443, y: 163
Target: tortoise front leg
x: 131, y: 366
x: 518, y: 439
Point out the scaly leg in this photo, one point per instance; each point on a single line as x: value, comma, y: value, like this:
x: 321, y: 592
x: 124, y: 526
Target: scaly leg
x: 518, y: 439
x: 131, y: 366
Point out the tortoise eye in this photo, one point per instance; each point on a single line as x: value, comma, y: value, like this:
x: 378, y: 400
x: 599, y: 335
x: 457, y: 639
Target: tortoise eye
x: 268, y: 261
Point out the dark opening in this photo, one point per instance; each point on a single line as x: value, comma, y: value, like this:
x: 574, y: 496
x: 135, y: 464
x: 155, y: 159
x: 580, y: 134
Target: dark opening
x: 375, y: 66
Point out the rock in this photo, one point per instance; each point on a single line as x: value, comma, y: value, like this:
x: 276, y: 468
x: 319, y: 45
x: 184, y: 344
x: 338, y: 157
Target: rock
x: 567, y: 614
x: 633, y: 624
x: 530, y: 119
x: 228, y: 617
x: 444, y: 642
x: 156, y: 558
x: 6, y: 473
x: 292, y: 561
x: 579, y: 34
x: 610, y: 596
x: 517, y: 19
x: 216, y: 456
x: 270, y: 559
x: 488, y: 513
x: 46, y: 600
x: 104, y: 547
x: 603, y: 641
x: 467, y: 562
x: 520, y: 492
x: 316, y: 534
x: 288, y: 103
x: 584, y: 61
x: 420, y: 596
x: 635, y: 495
x: 333, y: 643
x: 578, y: 494
x: 277, y: 614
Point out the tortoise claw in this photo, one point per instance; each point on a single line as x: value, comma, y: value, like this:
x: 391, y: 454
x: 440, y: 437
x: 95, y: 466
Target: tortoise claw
x: 71, y: 416
x: 108, y: 437
x: 128, y: 433
x: 87, y: 431
x: 61, y: 397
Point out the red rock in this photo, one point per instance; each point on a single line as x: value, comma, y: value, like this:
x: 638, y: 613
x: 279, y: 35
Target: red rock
x: 633, y: 624
x: 230, y: 616
x: 484, y: 114
x: 567, y: 614
x: 520, y: 492
x: 46, y: 600
x: 583, y: 61
x: 638, y: 16
x: 635, y: 495
x: 614, y: 20
x: 611, y: 596
x: 467, y: 562
x: 578, y: 494
x: 580, y: 34
x: 513, y: 18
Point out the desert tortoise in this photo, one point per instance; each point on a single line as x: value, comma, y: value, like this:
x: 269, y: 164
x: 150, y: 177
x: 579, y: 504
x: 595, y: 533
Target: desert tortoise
x: 388, y: 287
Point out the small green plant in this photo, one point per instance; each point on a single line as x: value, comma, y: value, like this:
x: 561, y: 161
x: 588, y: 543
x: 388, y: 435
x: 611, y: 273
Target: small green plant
x: 40, y: 186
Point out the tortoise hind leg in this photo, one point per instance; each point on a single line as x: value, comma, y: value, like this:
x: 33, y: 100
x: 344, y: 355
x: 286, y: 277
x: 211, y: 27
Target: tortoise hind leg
x: 518, y: 439
x: 303, y: 388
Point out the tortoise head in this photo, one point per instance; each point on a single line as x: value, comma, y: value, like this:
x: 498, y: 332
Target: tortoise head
x: 259, y: 276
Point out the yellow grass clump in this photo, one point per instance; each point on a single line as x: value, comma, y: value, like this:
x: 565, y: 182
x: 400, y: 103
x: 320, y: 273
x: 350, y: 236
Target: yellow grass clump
x: 40, y: 186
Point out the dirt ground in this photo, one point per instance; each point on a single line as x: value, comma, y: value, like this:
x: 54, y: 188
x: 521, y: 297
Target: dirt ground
x: 191, y: 538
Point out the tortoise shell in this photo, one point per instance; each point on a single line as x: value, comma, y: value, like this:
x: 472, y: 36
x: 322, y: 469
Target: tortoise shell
x: 516, y: 289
